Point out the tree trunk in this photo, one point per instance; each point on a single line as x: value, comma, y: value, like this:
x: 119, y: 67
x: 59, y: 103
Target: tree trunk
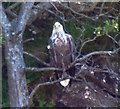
x: 18, y: 91
x: 16, y: 76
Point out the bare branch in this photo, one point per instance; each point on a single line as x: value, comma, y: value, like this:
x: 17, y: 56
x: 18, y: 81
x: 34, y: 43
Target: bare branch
x: 83, y: 15
x: 85, y: 42
x: 113, y: 39
x: 34, y: 69
x: 48, y: 83
x: 12, y: 14
x: 102, y: 6
x: 106, y: 14
x: 95, y: 53
x: 28, y: 40
x: 99, y: 53
x: 83, y: 73
x: 13, y: 5
x: 109, y: 53
x: 38, y: 86
x: 52, y: 12
x: 57, y: 9
x: 9, y: 9
x: 36, y: 58
x: 91, y: 40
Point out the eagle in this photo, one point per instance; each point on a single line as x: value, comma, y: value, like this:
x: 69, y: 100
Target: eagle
x: 61, y: 49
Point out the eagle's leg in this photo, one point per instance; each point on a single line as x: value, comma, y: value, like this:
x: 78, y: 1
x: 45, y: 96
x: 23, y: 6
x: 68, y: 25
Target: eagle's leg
x: 72, y: 71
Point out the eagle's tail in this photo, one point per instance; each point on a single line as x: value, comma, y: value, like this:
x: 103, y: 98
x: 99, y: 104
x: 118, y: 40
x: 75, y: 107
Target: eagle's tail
x: 66, y: 82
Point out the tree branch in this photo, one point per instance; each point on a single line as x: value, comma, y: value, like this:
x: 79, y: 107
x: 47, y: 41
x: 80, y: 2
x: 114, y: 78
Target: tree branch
x: 34, y: 69
x: 13, y: 5
x: 23, y: 16
x: 36, y: 58
x: 14, y: 56
x: 4, y: 22
x: 12, y: 14
x: 48, y: 83
x: 38, y: 86
x: 85, y: 42
x: 109, y: 53
x: 81, y: 73
x: 99, y: 53
x: 83, y: 15
x: 28, y: 40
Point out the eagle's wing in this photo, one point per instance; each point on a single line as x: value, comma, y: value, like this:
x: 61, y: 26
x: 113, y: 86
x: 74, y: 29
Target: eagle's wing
x: 51, y: 50
x: 72, y: 46
x: 72, y: 51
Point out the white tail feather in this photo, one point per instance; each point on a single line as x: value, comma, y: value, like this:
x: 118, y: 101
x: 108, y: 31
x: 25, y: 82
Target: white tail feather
x: 65, y: 82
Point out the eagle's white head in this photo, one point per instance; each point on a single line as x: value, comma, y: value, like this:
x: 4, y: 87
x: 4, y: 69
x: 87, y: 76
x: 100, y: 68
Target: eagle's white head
x: 57, y: 27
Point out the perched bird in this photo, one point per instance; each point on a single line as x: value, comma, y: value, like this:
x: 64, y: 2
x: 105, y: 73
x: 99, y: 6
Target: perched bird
x: 61, y: 50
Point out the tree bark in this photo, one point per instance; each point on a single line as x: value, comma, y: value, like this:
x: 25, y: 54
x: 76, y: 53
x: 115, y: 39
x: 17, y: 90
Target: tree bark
x: 18, y: 91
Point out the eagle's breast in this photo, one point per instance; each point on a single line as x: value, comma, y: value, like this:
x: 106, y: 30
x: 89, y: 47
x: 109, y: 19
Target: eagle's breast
x: 59, y: 39
x: 61, y: 44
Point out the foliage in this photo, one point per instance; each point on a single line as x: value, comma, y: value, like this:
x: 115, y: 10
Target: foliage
x: 71, y: 28
x: 109, y: 26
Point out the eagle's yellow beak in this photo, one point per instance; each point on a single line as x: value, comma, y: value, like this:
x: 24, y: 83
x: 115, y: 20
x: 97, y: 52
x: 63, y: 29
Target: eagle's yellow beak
x: 56, y: 26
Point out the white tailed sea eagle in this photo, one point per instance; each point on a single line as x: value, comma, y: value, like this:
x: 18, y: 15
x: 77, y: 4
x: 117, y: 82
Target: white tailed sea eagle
x: 61, y: 50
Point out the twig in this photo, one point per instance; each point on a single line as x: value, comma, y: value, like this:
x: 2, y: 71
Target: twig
x: 34, y: 69
x: 80, y: 72
x: 77, y: 59
x: 48, y: 83
x: 102, y: 6
x: 38, y: 86
x: 83, y: 73
x: 106, y: 13
x: 12, y: 14
x: 57, y: 9
x: 50, y: 11
x: 13, y: 5
x: 85, y: 42
x: 27, y: 40
x: 91, y: 40
x: 113, y: 39
x: 36, y: 58
x: 9, y: 9
x: 117, y: 36
x: 98, y: 53
x: 77, y: 12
